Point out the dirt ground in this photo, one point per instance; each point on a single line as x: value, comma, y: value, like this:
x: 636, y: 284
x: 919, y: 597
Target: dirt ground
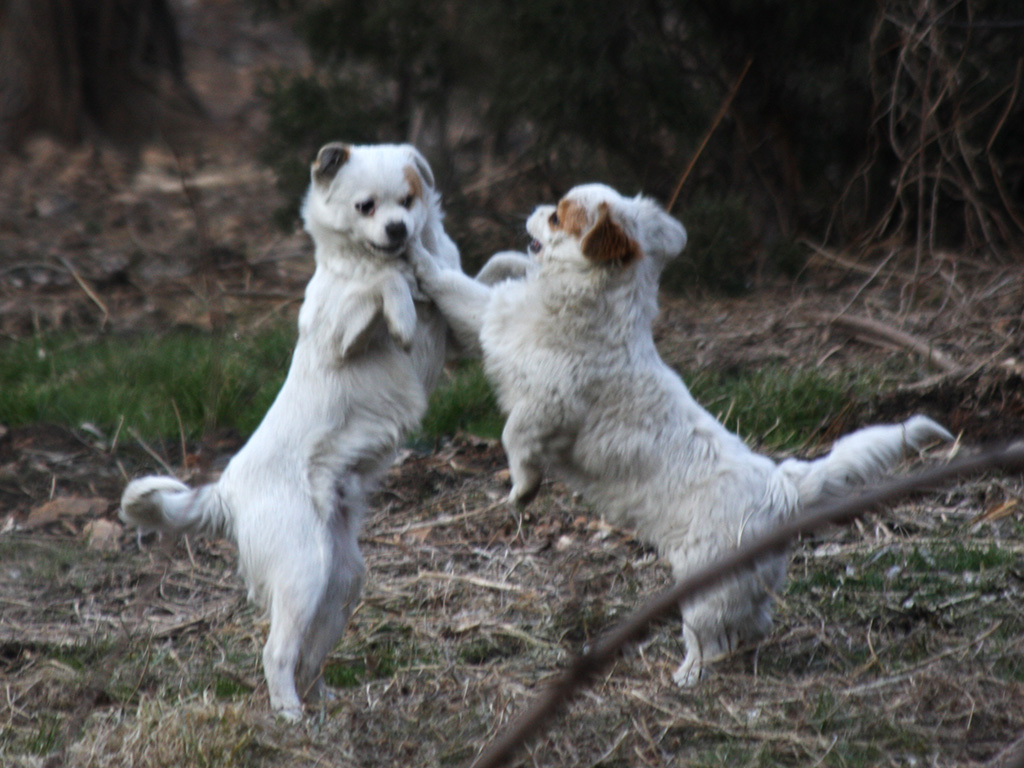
x: 899, y: 642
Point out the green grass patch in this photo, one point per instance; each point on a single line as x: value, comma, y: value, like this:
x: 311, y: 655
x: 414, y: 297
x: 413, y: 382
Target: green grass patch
x: 47, y: 736
x: 381, y: 658
x: 148, y: 383
x: 941, y: 585
x: 934, y: 570
x: 781, y: 408
x: 210, y: 381
x: 229, y: 688
x: 487, y: 649
x: 145, y: 382
x: 339, y: 674
x: 464, y: 402
x: 83, y: 658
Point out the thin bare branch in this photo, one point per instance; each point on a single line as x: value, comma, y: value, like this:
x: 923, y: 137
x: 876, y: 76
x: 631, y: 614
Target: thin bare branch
x: 585, y: 667
x: 707, y: 136
x: 873, y: 330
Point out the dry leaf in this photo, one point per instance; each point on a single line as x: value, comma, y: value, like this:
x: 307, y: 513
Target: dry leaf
x: 418, y: 536
x: 65, y: 508
x: 102, y: 534
x: 998, y: 512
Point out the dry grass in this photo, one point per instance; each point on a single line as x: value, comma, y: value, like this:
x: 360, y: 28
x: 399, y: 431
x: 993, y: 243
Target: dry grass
x: 897, y: 644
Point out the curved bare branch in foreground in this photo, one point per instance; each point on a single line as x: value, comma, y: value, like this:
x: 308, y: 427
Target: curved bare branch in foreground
x: 585, y: 667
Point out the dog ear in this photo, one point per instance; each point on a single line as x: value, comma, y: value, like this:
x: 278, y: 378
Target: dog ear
x: 422, y: 166
x: 607, y: 242
x: 664, y: 235
x: 328, y: 160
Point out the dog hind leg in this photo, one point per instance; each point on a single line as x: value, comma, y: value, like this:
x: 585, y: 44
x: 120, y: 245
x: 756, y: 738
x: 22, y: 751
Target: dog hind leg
x: 690, y: 671
x: 299, y: 576
x: 289, y: 619
x: 334, y: 609
x: 521, y: 441
x: 716, y: 626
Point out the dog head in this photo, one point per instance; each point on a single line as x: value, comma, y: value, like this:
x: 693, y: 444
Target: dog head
x: 595, y: 223
x: 372, y: 198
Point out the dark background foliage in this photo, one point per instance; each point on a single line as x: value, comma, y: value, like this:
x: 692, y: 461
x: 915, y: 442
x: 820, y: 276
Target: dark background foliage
x: 891, y: 122
x: 893, y: 125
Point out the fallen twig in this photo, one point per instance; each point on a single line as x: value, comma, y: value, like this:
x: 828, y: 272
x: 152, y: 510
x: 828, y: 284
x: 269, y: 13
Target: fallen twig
x: 474, y: 580
x: 156, y: 456
x: 874, y: 331
x: 914, y: 668
x: 443, y: 520
x: 87, y: 289
x: 586, y: 666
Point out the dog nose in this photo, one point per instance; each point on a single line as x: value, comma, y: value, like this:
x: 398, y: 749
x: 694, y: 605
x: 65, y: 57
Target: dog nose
x: 396, y: 231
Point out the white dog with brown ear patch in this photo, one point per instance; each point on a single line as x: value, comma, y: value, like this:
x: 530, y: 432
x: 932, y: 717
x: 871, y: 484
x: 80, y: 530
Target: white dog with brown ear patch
x: 570, y: 352
x: 369, y: 351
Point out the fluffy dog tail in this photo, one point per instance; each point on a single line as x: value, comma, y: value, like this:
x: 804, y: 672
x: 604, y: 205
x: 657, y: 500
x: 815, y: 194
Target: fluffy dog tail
x: 860, y: 458
x: 158, y: 503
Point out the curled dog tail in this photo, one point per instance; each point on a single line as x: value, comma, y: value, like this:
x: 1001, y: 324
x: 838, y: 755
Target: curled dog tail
x: 160, y: 503
x: 860, y: 458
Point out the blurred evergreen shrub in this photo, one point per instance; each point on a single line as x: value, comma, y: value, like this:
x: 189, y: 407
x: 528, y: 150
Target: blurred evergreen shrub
x: 583, y: 90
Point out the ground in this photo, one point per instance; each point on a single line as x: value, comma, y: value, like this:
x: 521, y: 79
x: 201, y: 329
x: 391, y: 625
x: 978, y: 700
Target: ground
x: 899, y: 641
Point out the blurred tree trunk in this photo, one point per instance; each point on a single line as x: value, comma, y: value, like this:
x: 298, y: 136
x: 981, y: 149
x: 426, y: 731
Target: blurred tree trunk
x: 74, y: 67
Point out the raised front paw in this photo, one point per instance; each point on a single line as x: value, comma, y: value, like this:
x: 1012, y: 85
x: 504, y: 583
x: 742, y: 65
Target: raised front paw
x: 423, y: 262
x: 403, y: 334
x: 400, y: 312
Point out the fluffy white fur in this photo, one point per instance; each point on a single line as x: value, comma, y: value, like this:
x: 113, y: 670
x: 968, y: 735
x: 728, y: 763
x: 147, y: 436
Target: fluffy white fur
x: 570, y: 352
x: 369, y: 351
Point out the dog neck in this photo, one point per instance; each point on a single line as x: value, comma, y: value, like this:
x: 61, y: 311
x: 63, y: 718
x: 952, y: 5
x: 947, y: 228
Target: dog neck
x: 605, y: 302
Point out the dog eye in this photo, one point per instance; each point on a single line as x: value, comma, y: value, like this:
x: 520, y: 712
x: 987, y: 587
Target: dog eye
x: 553, y: 219
x: 407, y: 201
x: 366, y: 207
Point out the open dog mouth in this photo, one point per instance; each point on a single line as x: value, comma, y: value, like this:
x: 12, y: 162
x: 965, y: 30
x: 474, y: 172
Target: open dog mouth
x: 391, y: 249
x: 535, y: 246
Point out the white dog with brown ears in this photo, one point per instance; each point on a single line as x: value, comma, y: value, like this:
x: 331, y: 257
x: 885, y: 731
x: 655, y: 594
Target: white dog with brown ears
x: 370, y: 349
x: 570, y: 352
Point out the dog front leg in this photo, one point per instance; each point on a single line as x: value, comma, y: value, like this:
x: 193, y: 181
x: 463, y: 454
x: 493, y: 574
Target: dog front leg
x: 399, y: 310
x: 505, y: 265
x: 362, y: 311
x: 461, y: 299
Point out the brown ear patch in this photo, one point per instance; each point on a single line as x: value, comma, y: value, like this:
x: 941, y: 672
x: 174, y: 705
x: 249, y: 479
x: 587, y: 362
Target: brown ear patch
x: 329, y: 159
x: 607, y: 242
x: 415, y: 182
x: 570, y: 217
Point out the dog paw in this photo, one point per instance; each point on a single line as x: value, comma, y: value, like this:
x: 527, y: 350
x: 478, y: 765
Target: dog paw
x: 521, y: 495
x: 289, y: 714
x: 403, y: 340
x: 422, y: 261
x: 689, y: 674
x: 320, y: 693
